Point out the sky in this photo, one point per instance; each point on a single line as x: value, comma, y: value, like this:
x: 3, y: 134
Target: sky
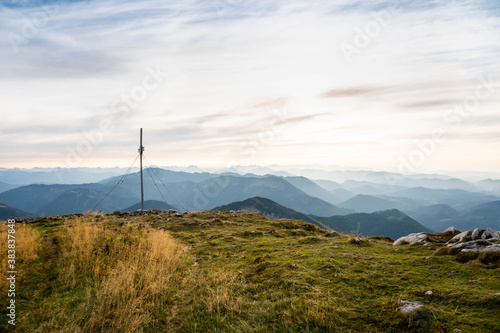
x: 408, y: 86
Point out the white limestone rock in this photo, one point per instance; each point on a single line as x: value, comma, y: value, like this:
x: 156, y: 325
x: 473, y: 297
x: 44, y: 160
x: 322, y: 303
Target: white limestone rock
x: 476, y: 233
x: 451, y: 230
x: 460, y: 237
x: 411, y: 239
x: 408, y: 307
x: 490, y: 234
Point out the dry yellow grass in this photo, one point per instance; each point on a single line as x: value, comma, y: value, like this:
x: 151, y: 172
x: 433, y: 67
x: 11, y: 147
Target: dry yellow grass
x: 127, y: 276
x: 27, y: 246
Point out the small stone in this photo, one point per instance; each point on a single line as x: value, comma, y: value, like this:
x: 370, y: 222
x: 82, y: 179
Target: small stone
x: 457, y: 330
x: 294, y: 265
x: 357, y: 240
x: 408, y: 307
x: 429, y: 293
x: 427, y: 258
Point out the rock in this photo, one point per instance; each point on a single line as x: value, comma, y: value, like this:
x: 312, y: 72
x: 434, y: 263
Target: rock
x: 411, y: 239
x: 451, y: 230
x: 333, y: 233
x: 294, y: 265
x: 457, y: 330
x: 460, y: 237
x: 490, y: 234
x: 408, y: 307
x: 429, y: 293
x: 476, y: 233
x: 482, y: 248
x: 357, y: 240
x: 476, y: 246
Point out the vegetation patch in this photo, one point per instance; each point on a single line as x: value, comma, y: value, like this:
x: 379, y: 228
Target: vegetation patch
x: 227, y: 272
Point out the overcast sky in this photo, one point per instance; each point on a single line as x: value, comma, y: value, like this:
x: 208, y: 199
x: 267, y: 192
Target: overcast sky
x: 394, y: 85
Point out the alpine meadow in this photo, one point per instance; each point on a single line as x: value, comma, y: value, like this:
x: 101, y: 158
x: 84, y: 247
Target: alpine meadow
x: 250, y: 166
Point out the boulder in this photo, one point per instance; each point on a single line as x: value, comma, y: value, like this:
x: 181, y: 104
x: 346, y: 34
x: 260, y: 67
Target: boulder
x: 411, y: 239
x: 460, y: 237
x: 408, y: 307
x: 483, y: 248
x: 476, y: 233
x: 476, y: 246
x: 490, y: 234
x: 451, y: 230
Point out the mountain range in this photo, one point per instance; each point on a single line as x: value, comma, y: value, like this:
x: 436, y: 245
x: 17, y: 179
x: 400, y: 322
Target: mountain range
x: 469, y: 205
x: 391, y: 223
x: 7, y: 212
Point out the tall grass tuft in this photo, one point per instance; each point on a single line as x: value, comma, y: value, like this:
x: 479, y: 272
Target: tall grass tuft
x: 128, y: 277
x: 27, y: 247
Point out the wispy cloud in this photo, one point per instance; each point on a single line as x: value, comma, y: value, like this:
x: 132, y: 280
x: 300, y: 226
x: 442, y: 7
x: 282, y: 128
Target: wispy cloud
x: 230, y: 64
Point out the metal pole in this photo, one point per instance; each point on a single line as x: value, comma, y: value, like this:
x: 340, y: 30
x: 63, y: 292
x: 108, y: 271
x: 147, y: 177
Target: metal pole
x: 141, y: 150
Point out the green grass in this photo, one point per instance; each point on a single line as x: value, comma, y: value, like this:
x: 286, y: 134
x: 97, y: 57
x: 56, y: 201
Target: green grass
x: 240, y: 272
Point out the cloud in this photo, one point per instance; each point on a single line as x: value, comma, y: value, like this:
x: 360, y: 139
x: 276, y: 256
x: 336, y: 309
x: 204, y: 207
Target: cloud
x: 348, y: 92
x: 231, y: 63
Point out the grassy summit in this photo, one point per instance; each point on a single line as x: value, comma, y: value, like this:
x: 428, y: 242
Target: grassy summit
x: 222, y: 271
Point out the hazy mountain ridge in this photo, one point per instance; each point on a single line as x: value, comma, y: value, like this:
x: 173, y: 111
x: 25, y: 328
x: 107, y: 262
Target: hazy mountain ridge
x: 205, y: 190
x: 7, y: 212
x: 268, y: 208
x: 391, y: 223
x: 149, y: 204
x: 368, y: 203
